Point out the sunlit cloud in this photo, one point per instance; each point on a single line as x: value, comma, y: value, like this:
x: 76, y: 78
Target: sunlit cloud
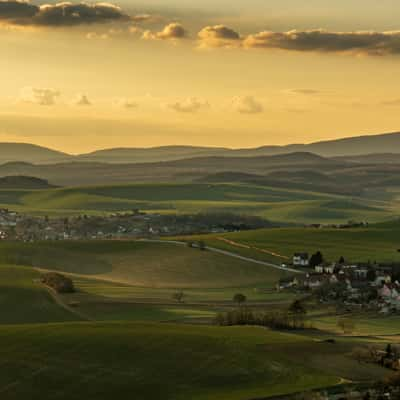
x: 40, y: 96
x: 218, y: 36
x: 189, y: 105
x: 125, y: 103
x: 82, y: 100
x: 247, y: 105
x: 172, y: 31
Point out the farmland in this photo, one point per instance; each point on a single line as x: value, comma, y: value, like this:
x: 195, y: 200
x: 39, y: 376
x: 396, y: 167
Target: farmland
x: 373, y: 243
x: 109, y: 360
x: 276, y: 204
x: 122, y: 332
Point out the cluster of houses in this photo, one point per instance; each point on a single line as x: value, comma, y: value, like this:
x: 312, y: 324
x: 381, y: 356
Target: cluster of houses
x: 370, y: 285
x: 130, y: 224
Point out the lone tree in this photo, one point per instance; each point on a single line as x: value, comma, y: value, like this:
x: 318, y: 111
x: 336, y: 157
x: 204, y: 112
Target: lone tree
x: 58, y: 282
x: 178, y: 296
x: 239, y: 298
x: 316, y: 259
x: 297, y: 311
x: 297, y: 307
x: 371, y: 274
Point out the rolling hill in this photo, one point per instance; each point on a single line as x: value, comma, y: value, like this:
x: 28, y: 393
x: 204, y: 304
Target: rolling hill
x: 30, y: 153
x: 24, y: 300
x: 140, y: 264
x: 114, y: 360
x: 351, y: 146
x: 377, y: 242
x: 279, y: 204
x: 359, y: 145
x: 23, y: 182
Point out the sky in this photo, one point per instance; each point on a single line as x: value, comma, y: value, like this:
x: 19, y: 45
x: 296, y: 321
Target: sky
x: 82, y: 76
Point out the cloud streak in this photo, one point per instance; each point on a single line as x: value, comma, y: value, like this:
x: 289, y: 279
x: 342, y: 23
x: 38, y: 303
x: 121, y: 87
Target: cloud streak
x: 366, y: 43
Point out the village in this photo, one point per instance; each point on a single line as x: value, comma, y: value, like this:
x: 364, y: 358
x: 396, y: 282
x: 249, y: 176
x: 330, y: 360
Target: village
x: 368, y: 286
x: 124, y: 225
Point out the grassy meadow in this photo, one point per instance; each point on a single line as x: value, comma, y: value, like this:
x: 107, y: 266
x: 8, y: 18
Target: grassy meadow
x: 143, y: 264
x: 276, y: 204
x: 152, y: 361
x: 129, y: 281
x: 377, y: 242
x: 114, y: 338
x: 24, y: 300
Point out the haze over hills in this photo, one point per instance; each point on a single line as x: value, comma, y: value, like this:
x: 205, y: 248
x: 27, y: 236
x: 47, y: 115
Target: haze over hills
x: 186, y: 170
x: 353, y: 146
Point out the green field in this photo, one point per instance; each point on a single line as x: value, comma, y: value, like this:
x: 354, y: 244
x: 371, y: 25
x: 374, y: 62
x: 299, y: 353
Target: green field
x: 368, y: 324
x: 23, y: 300
x: 374, y: 243
x: 153, y: 265
x: 136, y: 342
x: 153, y: 361
x: 277, y: 204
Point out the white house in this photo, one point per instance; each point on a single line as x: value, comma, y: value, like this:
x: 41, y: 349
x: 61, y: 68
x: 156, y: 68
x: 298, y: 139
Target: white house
x: 325, y: 269
x: 301, y: 260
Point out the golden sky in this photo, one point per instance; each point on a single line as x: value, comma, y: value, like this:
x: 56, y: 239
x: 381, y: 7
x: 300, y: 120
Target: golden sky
x: 82, y: 76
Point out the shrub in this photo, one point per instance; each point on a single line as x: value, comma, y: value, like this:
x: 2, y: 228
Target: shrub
x: 58, y: 282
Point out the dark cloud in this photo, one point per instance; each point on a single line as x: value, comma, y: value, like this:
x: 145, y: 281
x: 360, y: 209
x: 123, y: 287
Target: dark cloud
x: 16, y: 10
x: 369, y: 43
x: 60, y: 14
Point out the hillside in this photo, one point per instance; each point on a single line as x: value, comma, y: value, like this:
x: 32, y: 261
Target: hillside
x: 84, y: 173
x: 279, y: 204
x: 30, y: 153
x: 140, y: 264
x: 113, y: 360
x: 24, y: 300
x: 23, y: 182
x: 373, y: 243
x: 351, y: 146
x: 367, y: 144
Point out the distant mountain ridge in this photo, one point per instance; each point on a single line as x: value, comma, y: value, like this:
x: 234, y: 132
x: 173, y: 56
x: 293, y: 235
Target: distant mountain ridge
x: 388, y: 143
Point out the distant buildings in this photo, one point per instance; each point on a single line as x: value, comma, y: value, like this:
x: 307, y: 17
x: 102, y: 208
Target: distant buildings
x: 301, y: 260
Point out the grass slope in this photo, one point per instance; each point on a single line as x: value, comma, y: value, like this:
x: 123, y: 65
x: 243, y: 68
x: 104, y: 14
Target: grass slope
x: 274, y: 203
x: 152, y: 361
x: 158, y: 265
x: 24, y: 300
x: 374, y: 243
